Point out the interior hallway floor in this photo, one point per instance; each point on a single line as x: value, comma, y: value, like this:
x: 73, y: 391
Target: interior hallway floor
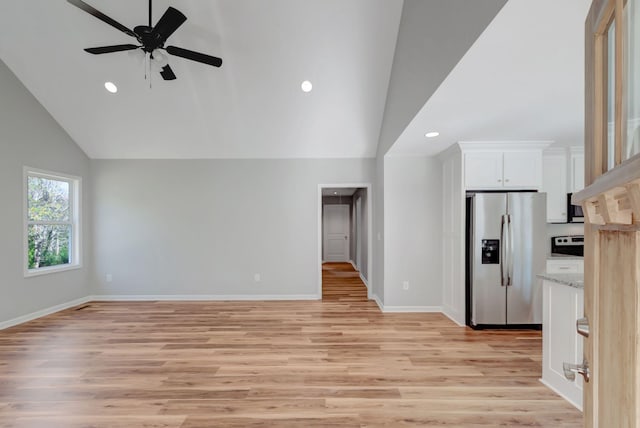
x: 341, y: 282
x: 331, y: 363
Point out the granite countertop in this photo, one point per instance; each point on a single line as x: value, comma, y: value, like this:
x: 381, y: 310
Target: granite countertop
x: 564, y: 257
x: 571, y: 279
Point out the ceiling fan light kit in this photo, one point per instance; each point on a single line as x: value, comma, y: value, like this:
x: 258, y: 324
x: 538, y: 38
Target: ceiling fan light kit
x: 151, y: 40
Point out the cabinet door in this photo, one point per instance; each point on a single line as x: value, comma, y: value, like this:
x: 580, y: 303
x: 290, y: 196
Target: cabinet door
x: 554, y: 184
x: 483, y: 170
x: 523, y: 169
x: 577, y: 172
x: 563, y: 305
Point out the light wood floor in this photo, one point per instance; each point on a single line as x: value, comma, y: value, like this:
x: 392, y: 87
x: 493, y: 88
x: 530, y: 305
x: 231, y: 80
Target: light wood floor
x: 269, y: 364
x: 340, y: 282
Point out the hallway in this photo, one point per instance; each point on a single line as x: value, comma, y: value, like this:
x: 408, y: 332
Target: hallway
x: 342, y: 283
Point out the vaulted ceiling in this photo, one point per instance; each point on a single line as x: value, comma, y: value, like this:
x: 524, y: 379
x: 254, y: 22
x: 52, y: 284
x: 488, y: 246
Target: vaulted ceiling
x: 253, y: 107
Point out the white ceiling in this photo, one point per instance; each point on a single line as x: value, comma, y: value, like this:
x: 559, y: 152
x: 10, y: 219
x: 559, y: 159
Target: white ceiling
x: 252, y: 107
x: 523, y: 79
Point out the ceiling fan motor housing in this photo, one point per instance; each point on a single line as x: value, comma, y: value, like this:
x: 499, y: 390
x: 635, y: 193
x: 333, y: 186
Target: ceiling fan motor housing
x: 150, y: 40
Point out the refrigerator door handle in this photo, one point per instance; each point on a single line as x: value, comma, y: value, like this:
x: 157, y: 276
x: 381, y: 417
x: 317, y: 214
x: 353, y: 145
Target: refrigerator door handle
x: 503, y: 252
x: 511, y: 256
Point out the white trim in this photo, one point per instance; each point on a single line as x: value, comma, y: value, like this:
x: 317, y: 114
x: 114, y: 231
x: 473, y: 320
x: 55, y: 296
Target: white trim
x: 364, y: 280
x: 202, y: 297
x: 75, y: 207
x: 449, y: 313
x: 51, y: 269
x: 378, y: 302
x: 368, y: 207
x: 44, y: 312
x: 508, y: 146
x: 366, y: 284
x: 396, y: 309
x: 168, y: 297
x: 576, y: 405
x: 387, y: 309
x: 354, y: 266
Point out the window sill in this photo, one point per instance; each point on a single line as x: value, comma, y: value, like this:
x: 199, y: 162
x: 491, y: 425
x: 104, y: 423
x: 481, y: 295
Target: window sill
x: 52, y: 269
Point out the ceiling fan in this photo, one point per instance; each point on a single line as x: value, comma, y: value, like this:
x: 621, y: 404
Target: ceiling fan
x: 151, y: 39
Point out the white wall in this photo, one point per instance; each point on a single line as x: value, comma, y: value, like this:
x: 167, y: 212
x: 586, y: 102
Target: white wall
x: 378, y: 232
x: 413, y: 226
x: 183, y: 227
x: 29, y: 136
x: 415, y: 77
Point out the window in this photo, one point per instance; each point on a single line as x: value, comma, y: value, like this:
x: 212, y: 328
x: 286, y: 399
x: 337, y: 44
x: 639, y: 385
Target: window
x: 51, y: 222
x: 617, y: 83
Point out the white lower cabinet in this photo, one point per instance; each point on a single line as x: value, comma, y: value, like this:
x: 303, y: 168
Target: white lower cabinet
x: 563, y: 305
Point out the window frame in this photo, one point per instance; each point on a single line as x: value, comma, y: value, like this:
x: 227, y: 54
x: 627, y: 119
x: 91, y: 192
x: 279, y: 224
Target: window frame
x: 75, y: 213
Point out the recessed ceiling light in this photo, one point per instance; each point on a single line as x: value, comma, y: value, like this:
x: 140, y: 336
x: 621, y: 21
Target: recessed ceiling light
x: 335, y: 193
x: 431, y: 134
x: 111, y: 87
x: 306, y: 86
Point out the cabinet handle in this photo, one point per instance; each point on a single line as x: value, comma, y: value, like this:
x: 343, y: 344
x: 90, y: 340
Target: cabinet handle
x: 499, y: 180
x: 506, y: 180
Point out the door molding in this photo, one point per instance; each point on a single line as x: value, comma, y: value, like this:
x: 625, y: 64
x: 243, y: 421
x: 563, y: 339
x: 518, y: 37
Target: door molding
x: 368, y: 207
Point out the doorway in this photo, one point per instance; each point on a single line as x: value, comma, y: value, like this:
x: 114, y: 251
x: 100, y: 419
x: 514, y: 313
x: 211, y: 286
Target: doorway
x: 344, y: 228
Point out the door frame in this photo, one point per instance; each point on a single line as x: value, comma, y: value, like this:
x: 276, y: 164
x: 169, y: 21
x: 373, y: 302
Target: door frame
x: 368, y: 208
x: 357, y: 216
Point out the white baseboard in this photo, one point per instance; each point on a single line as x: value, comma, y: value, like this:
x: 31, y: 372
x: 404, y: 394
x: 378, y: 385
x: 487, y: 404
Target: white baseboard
x: 44, y: 312
x: 576, y: 405
x: 364, y: 280
x: 452, y: 315
x: 205, y: 297
x: 412, y: 309
x: 131, y: 298
x: 354, y: 266
x: 378, y: 302
x: 389, y: 309
x: 200, y: 297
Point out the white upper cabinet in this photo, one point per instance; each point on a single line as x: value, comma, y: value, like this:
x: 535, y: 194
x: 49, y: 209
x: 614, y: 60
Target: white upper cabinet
x: 523, y: 169
x: 554, y: 184
x: 483, y: 170
x: 501, y: 166
x: 577, y: 169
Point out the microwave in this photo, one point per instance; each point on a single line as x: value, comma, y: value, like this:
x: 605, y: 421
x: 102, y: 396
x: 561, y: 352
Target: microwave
x: 574, y: 212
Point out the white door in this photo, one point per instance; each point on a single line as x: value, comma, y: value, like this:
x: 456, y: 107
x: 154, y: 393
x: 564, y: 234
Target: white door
x: 336, y: 233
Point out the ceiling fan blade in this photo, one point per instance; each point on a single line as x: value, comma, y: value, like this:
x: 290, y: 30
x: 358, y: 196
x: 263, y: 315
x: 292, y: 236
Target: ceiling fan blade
x: 167, y: 73
x: 195, y: 56
x: 109, y: 49
x: 101, y: 16
x: 170, y: 21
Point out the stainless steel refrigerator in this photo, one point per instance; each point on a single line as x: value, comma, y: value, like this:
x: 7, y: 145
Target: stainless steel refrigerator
x: 506, y: 238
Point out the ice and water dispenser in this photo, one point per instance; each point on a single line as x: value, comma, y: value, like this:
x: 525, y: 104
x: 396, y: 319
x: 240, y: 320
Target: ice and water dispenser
x: 490, y: 251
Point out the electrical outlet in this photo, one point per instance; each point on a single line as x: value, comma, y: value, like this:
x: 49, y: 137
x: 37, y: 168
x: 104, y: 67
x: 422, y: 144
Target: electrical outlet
x: 256, y: 277
x: 405, y: 285
x: 108, y: 277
